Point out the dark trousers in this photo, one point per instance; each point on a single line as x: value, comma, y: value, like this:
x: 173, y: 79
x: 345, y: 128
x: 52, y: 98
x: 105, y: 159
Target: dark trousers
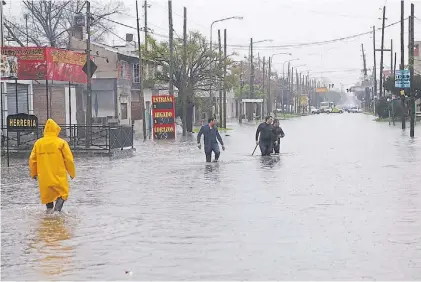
x: 266, y: 147
x: 215, y: 149
x: 58, y: 206
x: 277, y: 147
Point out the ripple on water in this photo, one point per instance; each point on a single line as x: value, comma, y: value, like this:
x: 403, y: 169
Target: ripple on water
x: 335, y: 207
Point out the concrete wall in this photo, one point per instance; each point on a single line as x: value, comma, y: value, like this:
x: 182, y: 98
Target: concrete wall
x: 104, y: 70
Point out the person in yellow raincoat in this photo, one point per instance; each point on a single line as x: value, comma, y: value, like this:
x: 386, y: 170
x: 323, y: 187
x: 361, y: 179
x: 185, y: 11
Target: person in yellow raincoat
x: 50, y: 161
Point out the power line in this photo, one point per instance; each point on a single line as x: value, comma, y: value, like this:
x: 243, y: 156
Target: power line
x: 313, y: 43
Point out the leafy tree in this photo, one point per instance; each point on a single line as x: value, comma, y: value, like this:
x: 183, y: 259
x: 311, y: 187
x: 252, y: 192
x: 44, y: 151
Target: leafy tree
x: 50, y: 22
x: 202, y: 69
x: 389, y: 85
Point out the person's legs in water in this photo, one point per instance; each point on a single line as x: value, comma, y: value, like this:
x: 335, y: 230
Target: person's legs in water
x: 277, y: 147
x: 208, y: 156
x: 50, y: 206
x: 217, y: 152
x: 59, y: 204
x: 265, y: 148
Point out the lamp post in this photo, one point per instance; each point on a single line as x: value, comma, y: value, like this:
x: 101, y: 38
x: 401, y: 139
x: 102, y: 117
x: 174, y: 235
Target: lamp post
x: 269, y: 103
x: 210, y: 66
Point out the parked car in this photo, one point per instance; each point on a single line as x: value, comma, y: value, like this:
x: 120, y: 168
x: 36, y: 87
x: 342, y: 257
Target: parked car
x: 354, y: 110
x: 314, y: 111
x: 334, y: 110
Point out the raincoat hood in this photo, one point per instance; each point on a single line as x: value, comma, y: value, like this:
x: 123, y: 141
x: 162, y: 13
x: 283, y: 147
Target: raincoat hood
x: 51, y: 128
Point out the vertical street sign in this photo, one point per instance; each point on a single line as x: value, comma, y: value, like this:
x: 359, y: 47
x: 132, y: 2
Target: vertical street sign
x: 402, y: 79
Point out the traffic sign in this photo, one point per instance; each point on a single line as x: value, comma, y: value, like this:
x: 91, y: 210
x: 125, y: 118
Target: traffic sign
x: 402, y: 79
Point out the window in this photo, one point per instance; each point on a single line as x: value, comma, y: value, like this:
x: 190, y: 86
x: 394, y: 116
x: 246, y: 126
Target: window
x: 123, y: 70
x: 136, y: 73
x: 123, y: 107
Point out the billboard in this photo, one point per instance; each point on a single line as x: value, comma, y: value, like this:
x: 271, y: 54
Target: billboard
x: 163, y: 115
x: 42, y: 63
x: 9, y: 66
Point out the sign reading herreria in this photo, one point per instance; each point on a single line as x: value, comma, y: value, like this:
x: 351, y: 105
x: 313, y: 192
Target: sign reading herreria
x: 163, y: 114
x: 22, y: 122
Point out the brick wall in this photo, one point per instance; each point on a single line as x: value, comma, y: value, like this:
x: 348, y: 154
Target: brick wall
x: 56, y: 106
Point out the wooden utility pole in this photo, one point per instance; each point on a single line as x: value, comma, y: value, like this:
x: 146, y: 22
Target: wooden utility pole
x: 251, y: 87
x: 375, y: 64
x: 402, y: 65
x: 146, y: 6
x: 269, y: 94
x: 141, y: 96
x: 171, y: 46
x: 89, y: 75
x: 184, y: 83
x: 263, y: 83
x: 367, y: 94
x: 391, y: 58
x: 219, y: 78
x: 411, y: 70
x: 381, y: 53
x: 225, y: 74
x: 240, y: 116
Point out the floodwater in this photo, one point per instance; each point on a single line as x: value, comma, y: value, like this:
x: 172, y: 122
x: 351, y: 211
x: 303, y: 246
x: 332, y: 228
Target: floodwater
x: 342, y: 202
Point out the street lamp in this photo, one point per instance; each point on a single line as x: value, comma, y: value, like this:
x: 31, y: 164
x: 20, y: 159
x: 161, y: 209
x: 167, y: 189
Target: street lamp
x: 211, y: 48
x: 269, y: 103
x: 283, y: 66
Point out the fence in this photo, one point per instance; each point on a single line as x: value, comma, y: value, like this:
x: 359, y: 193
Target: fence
x: 102, y: 138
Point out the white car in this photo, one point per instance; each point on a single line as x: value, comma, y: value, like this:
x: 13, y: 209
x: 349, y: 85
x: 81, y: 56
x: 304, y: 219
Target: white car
x: 354, y: 110
x: 314, y: 111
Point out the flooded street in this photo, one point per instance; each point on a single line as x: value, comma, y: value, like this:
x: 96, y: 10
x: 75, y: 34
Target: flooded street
x: 342, y: 202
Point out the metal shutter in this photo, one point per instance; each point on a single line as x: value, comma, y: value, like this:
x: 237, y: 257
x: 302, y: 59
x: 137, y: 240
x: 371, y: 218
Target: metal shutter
x: 23, y: 97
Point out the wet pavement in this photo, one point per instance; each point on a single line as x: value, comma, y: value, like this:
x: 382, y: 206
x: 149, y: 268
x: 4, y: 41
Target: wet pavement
x: 342, y: 202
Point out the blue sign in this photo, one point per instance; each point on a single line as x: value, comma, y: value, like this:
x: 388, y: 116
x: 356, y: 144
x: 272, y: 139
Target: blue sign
x: 402, y: 79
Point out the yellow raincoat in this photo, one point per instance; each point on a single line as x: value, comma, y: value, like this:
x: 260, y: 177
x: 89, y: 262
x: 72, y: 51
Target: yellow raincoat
x: 50, y: 161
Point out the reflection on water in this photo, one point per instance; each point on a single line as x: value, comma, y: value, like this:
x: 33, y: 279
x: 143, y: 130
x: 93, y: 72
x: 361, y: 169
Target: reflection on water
x: 341, y: 202
x: 51, y: 243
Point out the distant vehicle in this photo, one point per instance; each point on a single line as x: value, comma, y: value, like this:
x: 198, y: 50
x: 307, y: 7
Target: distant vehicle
x: 354, y: 110
x: 336, y: 110
x: 314, y: 111
x: 326, y: 107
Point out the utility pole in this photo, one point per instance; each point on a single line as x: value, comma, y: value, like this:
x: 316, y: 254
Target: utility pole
x: 89, y: 74
x: 411, y: 70
x: 184, y: 83
x: 240, y: 116
x: 402, y: 65
x: 141, y: 96
x: 146, y: 6
x: 219, y: 78
x: 375, y: 65
x: 251, y: 88
x: 263, y: 84
x: 381, y: 53
x: 225, y: 73
x: 170, y: 71
x: 392, y: 74
x: 269, y: 94
x: 292, y: 86
x: 365, y: 78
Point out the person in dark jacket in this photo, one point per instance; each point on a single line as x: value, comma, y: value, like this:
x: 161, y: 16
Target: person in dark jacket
x: 278, y: 133
x: 264, y: 136
x: 211, y: 137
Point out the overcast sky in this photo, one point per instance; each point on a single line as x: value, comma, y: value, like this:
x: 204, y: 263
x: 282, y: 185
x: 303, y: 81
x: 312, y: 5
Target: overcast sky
x: 286, y: 22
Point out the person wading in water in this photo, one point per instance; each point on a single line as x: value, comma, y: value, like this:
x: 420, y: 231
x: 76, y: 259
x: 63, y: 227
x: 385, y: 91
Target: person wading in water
x: 211, y: 137
x: 50, y: 161
x: 278, y: 133
x: 264, y: 136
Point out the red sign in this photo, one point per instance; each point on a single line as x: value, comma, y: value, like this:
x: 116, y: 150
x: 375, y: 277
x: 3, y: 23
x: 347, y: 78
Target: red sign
x: 41, y: 63
x: 163, y: 114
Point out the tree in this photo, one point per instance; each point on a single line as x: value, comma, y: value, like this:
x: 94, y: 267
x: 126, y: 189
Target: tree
x: 201, y: 70
x: 50, y: 22
x: 389, y: 85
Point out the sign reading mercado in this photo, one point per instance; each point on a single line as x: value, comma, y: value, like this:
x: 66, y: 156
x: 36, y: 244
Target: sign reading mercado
x: 42, y: 63
x: 163, y: 114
